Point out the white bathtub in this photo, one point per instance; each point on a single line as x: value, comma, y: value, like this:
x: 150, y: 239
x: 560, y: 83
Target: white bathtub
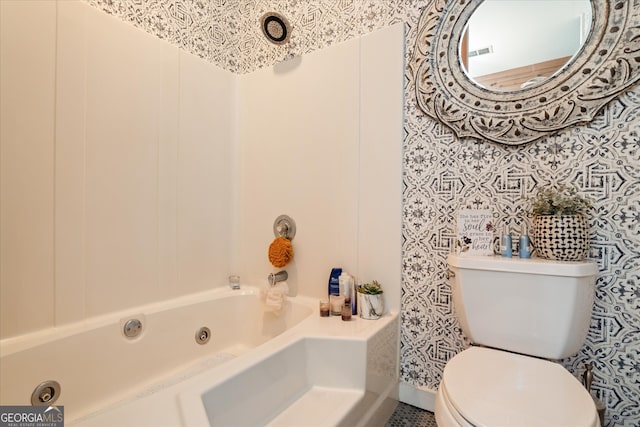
x: 257, y: 368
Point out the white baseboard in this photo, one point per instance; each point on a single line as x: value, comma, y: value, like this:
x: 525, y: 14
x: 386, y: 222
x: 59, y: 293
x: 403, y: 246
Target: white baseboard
x: 417, y: 396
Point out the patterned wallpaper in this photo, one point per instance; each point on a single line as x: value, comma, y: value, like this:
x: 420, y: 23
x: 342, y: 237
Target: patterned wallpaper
x: 443, y: 173
x: 227, y: 32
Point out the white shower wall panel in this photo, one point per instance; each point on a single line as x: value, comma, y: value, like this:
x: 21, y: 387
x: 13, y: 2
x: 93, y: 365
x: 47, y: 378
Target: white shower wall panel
x: 27, y: 123
x: 131, y: 200
x: 320, y: 140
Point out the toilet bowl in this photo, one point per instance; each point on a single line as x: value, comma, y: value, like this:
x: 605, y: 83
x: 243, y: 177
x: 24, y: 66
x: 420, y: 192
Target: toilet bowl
x: 494, y: 388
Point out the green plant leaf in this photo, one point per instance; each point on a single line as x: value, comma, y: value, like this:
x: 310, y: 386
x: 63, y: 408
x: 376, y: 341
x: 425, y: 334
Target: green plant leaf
x: 559, y: 201
x: 373, y: 288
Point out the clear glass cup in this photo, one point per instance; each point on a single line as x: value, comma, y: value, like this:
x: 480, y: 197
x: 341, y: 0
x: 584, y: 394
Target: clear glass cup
x: 234, y: 282
x: 325, y: 308
x: 346, y: 311
x: 336, y: 302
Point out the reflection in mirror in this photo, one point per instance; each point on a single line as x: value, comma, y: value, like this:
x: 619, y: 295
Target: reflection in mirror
x: 514, y: 44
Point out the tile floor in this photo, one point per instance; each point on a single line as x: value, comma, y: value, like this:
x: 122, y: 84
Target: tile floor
x: 410, y: 416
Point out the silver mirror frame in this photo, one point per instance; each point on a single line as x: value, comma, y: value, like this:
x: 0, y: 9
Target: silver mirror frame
x: 607, y: 64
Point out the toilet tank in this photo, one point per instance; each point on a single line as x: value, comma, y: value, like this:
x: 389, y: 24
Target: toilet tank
x: 531, y: 306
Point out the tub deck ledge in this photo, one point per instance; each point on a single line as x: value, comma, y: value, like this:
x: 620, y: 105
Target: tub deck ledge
x: 321, y: 371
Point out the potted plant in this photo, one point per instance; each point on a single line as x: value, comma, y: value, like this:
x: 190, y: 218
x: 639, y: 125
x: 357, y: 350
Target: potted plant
x: 370, y: 300
x: 560, y: 229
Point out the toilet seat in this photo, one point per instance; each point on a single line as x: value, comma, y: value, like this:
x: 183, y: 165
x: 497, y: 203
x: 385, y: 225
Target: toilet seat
x: 487, y: 387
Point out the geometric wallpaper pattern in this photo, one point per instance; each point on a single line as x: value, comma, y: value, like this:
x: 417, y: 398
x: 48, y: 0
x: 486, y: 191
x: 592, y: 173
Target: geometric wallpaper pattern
x: 443, y: 173
x: 227, y: 32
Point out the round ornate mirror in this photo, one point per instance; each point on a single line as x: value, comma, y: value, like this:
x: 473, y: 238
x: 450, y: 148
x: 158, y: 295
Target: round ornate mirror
x: 606, y: 63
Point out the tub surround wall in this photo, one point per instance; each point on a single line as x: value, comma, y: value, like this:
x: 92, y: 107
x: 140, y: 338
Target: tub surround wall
x: 152, y: 165
x: 316, y: 137
x: 116, y: 167
x: 27, y: 132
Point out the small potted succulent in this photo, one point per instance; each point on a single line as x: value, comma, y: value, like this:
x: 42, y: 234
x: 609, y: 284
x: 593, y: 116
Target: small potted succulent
x: 560, y: 228
x: 370, y: 300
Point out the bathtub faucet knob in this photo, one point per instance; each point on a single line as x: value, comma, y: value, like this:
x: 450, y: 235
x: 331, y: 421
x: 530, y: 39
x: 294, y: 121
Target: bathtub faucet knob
x: 280, y: 276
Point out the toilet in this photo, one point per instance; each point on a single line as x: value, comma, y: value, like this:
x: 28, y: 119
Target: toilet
x: 521, y: 315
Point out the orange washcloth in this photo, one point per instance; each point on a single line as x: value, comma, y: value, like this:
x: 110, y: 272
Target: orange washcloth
x: 280, y: 252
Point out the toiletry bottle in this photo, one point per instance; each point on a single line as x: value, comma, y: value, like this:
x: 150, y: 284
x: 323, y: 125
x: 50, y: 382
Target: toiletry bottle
x: 345, y: 286
x: 357, y: 295
x: 354, y: 296
x: 525, y: 243
x: 335, y: 300
x: 334, y: 283
x: 505, y: 243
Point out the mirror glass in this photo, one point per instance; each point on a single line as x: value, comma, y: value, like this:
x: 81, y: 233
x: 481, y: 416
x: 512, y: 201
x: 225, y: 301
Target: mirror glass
x: 516, y: 44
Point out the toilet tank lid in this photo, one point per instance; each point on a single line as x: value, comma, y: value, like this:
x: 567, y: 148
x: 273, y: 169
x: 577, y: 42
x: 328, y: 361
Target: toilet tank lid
x: 530, y: 265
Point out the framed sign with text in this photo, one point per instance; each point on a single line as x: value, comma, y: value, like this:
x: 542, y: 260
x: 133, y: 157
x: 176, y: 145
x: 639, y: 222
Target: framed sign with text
x: 475, y: 232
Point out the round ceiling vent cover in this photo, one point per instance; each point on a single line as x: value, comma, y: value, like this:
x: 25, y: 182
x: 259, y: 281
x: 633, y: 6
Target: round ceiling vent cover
x: 275, y: 27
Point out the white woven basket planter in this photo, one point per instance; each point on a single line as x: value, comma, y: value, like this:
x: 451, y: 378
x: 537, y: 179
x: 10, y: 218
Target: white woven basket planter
x: 562, y: 238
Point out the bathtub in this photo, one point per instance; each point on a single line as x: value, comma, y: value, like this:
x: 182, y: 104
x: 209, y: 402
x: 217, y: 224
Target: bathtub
x: 256, y: 369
